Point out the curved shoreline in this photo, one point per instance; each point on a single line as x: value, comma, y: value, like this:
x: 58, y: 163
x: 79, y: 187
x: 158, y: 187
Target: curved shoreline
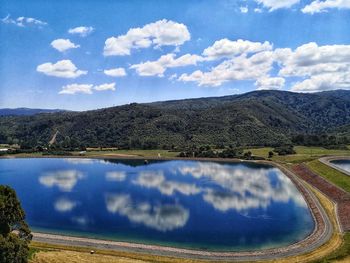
x: 322, y: 231
x: 328, y: 161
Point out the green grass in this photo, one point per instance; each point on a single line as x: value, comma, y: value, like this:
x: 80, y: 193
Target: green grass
x: 303, y: 154
x: 340, y: 253
x: 32, y: 252
x: 331, y: 174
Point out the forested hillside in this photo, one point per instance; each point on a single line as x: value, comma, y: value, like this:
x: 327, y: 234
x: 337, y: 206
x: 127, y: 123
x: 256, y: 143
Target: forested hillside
x: 255, y: 118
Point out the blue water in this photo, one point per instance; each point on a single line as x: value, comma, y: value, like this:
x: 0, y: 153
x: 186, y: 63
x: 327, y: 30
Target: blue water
x: 343, y: 164
x: 193, y: 204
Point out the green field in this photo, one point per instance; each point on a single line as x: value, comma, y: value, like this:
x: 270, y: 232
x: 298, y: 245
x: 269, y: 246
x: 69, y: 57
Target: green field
x: 303, y: 154
x: 331, y: 174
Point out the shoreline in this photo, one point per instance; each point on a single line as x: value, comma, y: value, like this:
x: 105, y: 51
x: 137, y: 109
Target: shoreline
x: 321, y: 233
x: 328, y: 161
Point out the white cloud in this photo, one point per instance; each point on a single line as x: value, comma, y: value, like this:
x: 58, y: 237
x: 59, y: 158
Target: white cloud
x: 277, y: 4
x: 23, y: 21
x: 161, y: 33
x: 115, y: 72
x: 82, y: 31
x: 63, y: 44
x: 76, y: 88
x: 158, y: 67
x: 269, y: 83
x: 161, y: 217
x: 228, y: 48
x: 61, y: 69
x: 322, y: 67
x: 64, y: 205
x: 257, y: 10
x: 65, y: 180
x: 105, y: 86
x: 323, y: 6
x: 244, y: 9
x: 237, y: 68
x: 323, y: 82
x: 72, y: 89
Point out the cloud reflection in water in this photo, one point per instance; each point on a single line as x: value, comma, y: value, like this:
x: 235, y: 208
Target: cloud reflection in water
x: 65, y: 180
x: 161, y: 217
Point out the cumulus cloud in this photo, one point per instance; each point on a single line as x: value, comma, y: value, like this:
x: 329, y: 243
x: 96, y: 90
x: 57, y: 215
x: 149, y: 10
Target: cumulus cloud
x: 158, y: 67
x: 82, y: 31
x: 277, y: 4
x: 156, y: 179
x: 63, y: 44
x: 85, y: 88
x: 61, y: 69
x: 106, y: 86
x: 323, y: 6
x: 115, y: 72
x: 161, y: 33
x: 269, y: 83
x: 322, y: 67
x: 244, y: 9
x: 225, y: 48
x: 76, y: 88
x: 23, y: 21
x: 237, y: 68
x: 65, y: 180
x: 161, y: 217
x: 64, y: 205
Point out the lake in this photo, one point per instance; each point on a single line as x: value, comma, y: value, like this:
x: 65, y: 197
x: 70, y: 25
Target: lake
x: 343, y: 164
x: 192, y: 204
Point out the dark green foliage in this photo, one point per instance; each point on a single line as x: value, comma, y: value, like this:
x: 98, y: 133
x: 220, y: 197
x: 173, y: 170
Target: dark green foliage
x: 260, y: 118
x: 270, y: 154
x: 284, y: 150
x: 14, y: 232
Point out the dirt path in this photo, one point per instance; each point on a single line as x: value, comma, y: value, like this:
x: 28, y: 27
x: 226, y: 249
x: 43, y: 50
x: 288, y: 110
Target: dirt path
x: 336, y: 194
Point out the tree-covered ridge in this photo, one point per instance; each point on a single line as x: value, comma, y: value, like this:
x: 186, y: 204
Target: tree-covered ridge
x: 255, y: 118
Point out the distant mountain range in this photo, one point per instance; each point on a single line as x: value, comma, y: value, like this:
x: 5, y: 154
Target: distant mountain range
x: 25, y: 111
x: 254, y: 118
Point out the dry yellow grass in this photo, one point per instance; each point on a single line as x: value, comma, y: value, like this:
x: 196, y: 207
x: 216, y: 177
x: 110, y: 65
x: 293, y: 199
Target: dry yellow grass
x: 62, y: 256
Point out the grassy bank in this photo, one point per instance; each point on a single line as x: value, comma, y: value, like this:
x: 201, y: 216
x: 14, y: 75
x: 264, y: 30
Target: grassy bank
x: 331, y: 174
x: 303, y: 154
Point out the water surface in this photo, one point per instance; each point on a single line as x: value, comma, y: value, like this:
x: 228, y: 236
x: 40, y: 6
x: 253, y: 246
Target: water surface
x: 342, y: 164
x: 193, y: 204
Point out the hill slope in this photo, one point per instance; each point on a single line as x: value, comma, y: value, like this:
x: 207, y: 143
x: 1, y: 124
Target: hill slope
x: 255, y: 118
x: 25, y: 111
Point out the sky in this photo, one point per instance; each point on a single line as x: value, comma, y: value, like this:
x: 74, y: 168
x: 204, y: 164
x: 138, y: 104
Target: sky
x: 85, y: 54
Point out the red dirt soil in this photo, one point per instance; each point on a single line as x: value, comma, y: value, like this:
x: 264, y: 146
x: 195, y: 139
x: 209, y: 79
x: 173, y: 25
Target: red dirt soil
x: 337, y: 195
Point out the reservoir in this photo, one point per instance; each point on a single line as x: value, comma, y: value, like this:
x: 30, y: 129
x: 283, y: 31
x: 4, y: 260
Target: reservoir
x: 205, y: 205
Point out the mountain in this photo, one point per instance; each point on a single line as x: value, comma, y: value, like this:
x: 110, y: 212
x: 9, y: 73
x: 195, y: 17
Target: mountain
x: 25, y: 111
x: 254, y: 118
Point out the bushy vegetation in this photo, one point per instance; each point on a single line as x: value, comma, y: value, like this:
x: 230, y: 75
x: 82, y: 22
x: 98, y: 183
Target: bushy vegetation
x: 208, y: 152
x: 14, y: 232
x: 284, y: 150
x: 263, y: 118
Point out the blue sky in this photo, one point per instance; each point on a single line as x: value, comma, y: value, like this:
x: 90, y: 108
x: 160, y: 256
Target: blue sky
x: 88, y: 54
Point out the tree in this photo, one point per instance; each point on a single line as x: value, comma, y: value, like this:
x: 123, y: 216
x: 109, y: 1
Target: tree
x: 270, y: 154
x: 15, y: 234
